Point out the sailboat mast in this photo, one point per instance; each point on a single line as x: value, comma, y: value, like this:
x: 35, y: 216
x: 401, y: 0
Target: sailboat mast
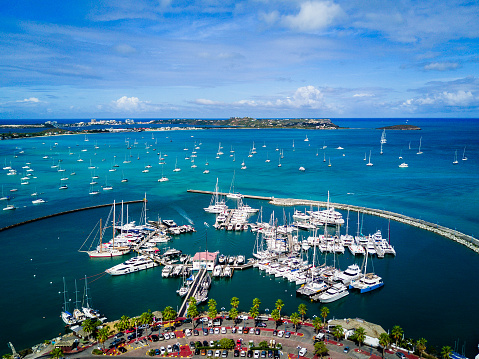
x: 101, y: 242
x: 114, y: 219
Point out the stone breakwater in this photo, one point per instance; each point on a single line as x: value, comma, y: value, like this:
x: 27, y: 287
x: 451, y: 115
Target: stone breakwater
x: 459, y: 237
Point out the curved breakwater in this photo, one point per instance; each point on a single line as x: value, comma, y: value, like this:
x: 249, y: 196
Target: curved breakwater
x: 67, y: 212
x: 459, y: 237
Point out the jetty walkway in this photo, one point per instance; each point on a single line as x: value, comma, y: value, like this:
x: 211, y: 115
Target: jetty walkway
x: 67, y: 212
x: 193, y: 289
x: 459, y: 237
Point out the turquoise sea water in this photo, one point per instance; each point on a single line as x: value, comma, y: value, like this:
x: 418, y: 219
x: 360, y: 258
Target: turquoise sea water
x: 429, y: 287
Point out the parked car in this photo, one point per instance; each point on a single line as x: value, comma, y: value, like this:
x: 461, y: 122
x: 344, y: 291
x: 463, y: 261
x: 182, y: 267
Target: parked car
x: 280, y: 333
x: 122, y: 349
x: 236, y: 353
x: 401, y: 355
x: 196, y: 332
x: 256, y: 354
x: 162, y: 350
x: 154, y: 338
x: 197, y: 351
x: 224, y: 353
x: 118, y: 335
x: 287, y: 334
x: 270, y: 353
x: 346, y: 349
x: 250, y: 354
x: 203, y: 351
x: 223, y: 330
x: 233, y: 330
x: 275, y: 332
x: 261, y: 325
x: 169, y: 349
x: 242, y: 353
x: 257, y: 331
x: 205, y: 343
x: 302, y: 352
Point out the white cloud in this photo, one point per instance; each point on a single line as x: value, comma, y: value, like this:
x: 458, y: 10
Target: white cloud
x: 441, y: 66
x: 130, y: 104
x: 363, y: 95
x: 451, y: 99
x: 124, y: 49
x: 31, y: 99
x: 313, y: 15
x: 203, y: 101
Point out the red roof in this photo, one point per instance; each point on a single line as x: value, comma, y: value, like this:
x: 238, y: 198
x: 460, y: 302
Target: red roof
x: 205, y: 256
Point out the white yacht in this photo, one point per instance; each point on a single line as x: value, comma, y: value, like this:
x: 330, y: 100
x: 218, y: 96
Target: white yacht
x: 367, y: 283
x: 337, y: 291
x: 134, y: 264
x: 217, y: 205
x: 351, y: 273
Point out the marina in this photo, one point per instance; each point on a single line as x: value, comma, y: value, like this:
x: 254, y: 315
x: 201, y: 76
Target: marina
x: 177, y: 218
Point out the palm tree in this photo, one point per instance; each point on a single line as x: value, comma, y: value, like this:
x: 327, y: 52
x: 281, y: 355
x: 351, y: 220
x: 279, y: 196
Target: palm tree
x: 320, y: 348
x: 103, y: 335
x: 192, y: 311
x: 397, y: 333
x: 253, y: 312
x: 234, y: 314
x: 302, y: 309
x: 146, y: 317
x: 421, y: 346
x: 212, y: 312
x: 360, y: 335
x: 446, y: 352
x: 324, y: 314
x: 338, y: 332
x: 234, y: 302
x: 275, y: 316
x: 295, y: 320
x: 317, y: 323
x: 279, y: 305
x: 256, y: 302
x: 56, y: 353
x: 384, y: 341
x: 169, y: 313
x: 89, y: 326
x: 123, y: 323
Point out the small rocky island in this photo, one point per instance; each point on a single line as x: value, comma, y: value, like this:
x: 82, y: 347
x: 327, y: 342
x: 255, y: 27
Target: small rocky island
x: 400, y: 127
x: 249, y: 122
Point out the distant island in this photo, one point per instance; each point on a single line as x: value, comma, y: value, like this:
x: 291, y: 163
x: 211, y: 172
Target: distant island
x: 400, y: 127
x: 249, y: 122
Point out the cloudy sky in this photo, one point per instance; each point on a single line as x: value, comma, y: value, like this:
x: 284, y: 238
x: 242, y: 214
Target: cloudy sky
x: 222, y: 58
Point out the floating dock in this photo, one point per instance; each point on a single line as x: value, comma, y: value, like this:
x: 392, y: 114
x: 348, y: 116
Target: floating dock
x: 459, y: 237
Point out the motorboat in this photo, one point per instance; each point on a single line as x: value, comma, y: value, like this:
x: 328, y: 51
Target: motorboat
x: 335, y: 292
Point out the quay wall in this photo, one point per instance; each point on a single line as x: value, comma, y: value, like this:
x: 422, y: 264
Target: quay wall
x: 459, y: 237
x: 67, y: 212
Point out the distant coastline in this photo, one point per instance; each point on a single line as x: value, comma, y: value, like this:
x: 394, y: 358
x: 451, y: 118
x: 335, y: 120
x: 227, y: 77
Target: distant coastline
x: 401, y: 128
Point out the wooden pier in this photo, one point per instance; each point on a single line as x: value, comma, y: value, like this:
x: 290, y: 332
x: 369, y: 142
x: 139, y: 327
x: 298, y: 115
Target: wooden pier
x: 459, y: 237
x: 193, y: 289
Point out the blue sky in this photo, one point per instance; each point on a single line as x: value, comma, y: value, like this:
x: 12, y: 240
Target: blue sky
x: 221, y: 58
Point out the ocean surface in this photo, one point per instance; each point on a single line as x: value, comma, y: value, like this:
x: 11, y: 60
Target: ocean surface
x: 429, y: 286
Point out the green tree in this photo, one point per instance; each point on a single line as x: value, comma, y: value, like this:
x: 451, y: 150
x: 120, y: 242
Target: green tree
x: 254, y: 312
x: 384, y: 341
x: 279, y: 305
x: 234, y: 314
x: 276, y: 316
x: 295, y: 320
x: 320, y: 348
x: 103, y: 335
x: 226, y: 343
x: 263, y: 344
x: 446, y: 352
x: 317, y: 323
x: 123, y: 323
x: 397, y: 333
x: 256, y: 302
x: 360, y: 335
x: 234, y: 302
x: 146, y: 317
x: 338, y: 332
x: 421, y: 346
x: 302, y: 309
x: 56, y: 353
x: 212, y: 311
x: 192, y: 311
x: 89, y: 326
x: 169, y: 314
x: 324, y: 314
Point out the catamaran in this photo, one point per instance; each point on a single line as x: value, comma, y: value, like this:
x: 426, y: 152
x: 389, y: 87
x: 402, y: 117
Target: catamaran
x: 217, y: 205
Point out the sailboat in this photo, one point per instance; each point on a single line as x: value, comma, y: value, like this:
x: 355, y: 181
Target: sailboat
x: 232, y: 193
x: 66, y: 316
x: 329, y: 164
x: 455, y: 159
x: 193, y: 163
x: 464, y: 158
x: 324, y: 157
x: 306, y: 139
x: 267, y: 158
x: 4, y: 198
x: 381, y: 152
x: 176, y: 166
x: 365, y: 156
x: 369, y: 163
x: 106, y: 187
x: 92, y: 190
x: 87, y: 310
x: 243, y: 166
x: 217, y: 205
x: 163, y: 178
x: 123, y: 178
x: 419, y: 152
x: 293, y: 145
x: 383, y: 137
x: 279, y: 163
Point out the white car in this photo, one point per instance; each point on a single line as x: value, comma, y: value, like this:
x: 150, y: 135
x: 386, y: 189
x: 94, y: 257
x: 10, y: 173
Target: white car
x: 302, y: 352
x: 166, y: 335
x: 217, y: 354
x: 240, y: 330
x: 223, y: 330
x: 188, y: 332
x: 243, y: 353
x: 162, y: 351
x: 172, y: 335
x: 169, y: 349
x: 256, y: 354
x: 280, y: 333
x: 217, y: 331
